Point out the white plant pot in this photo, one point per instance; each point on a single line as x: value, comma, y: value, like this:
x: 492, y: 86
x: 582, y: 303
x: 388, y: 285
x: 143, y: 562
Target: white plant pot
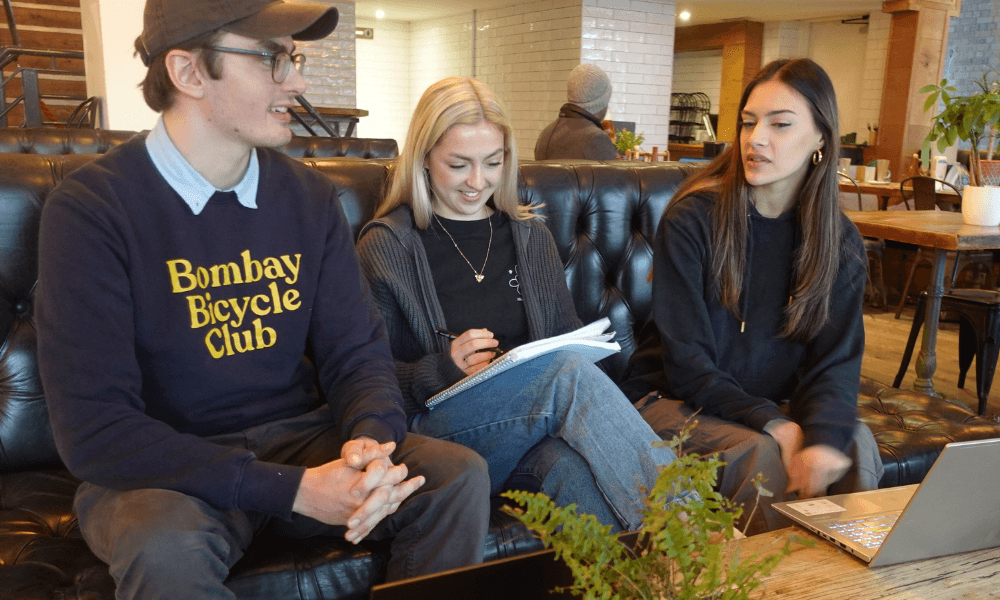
x: 981, y: 205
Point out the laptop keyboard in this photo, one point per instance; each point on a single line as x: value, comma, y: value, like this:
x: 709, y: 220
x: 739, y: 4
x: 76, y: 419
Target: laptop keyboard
x: 867, y: 531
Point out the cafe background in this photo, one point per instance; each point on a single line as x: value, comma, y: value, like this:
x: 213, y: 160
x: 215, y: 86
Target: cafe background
x: 524, y: 51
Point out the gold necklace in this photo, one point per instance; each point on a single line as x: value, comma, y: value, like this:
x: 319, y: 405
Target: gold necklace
x: 480, y: 273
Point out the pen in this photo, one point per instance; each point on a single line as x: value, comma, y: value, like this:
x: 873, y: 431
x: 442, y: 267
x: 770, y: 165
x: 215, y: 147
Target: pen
x: 446, y: 333
x: 450, y: 335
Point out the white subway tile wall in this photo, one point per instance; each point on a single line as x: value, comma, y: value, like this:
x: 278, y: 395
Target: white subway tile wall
x: 439, y: 48
x: 873, y: 79
x: 699, y: 71
x: 525, y: 52
x: 785, y: 39
x: 384, y: 79
x: 840, y: 50
x: 633, y: 41
x: 331, y: 63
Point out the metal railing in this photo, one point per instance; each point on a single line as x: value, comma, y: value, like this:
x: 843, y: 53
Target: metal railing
x: 317, y: 118
x: 31, y: 96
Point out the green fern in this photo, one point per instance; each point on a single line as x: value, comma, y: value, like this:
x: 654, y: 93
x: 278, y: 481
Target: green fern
x: 627, y: 140
x: 680, y: 553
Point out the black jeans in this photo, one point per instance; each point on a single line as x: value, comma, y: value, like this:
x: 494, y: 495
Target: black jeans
x: 164, y: 544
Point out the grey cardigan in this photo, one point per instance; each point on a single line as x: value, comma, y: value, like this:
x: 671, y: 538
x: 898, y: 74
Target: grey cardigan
x: 394, y: 262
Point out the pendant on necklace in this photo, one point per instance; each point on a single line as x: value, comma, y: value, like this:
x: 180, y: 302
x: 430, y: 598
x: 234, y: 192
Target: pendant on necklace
x: 479, y: 278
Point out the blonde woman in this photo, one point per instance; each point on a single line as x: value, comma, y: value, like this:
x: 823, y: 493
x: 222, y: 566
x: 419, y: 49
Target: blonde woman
x: 452, y: 250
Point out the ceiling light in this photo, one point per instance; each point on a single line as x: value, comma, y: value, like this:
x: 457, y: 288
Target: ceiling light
x: 684, y: 15
x: 380, y: 14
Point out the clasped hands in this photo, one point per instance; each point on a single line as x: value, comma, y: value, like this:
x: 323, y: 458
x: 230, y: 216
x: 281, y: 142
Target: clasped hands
x: 810, y: 470
x: 357, y: 490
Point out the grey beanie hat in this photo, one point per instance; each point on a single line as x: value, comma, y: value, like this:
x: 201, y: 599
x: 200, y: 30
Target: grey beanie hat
x: 589, y: 88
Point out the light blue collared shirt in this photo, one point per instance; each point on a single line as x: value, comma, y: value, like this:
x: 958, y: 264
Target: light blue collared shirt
x: 194, y: 189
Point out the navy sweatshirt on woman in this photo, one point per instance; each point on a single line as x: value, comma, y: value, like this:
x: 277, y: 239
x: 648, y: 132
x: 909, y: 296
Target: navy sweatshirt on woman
x: 694, y: 350
x: 159, y: 327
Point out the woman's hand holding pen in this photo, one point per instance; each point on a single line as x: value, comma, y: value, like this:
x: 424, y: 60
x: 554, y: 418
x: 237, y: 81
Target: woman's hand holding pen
x: 473, y: 350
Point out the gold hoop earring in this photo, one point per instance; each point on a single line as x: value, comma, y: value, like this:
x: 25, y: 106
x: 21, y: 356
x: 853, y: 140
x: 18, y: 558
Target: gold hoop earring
x: 817, y: 157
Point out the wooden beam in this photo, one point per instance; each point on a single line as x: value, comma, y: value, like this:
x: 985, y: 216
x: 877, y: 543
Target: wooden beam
x: 918, y: 41
x: 741, y: 43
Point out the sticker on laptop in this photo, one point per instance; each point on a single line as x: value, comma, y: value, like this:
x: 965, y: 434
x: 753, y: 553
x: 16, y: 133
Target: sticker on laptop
x: 816, y: 507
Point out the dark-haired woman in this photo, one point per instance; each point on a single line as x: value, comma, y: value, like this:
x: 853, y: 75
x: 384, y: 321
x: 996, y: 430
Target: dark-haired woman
x: 758, y: 281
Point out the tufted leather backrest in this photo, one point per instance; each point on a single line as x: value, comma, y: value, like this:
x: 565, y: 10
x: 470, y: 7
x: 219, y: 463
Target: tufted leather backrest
x: 51, y: 141
x: 602, y: 217
x: 307, y: 146
x: 25, y: 180
x: 48, y: 140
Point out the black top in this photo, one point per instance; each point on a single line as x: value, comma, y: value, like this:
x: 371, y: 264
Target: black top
x: 694, y: 350
x: 495, y: 303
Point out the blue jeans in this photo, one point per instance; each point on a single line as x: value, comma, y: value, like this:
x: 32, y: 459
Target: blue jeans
x: 565, y: 396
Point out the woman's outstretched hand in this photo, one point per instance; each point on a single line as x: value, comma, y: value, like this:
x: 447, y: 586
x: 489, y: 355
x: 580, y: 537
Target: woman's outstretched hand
x: 815, y: 468
x: 812, y: 469
x: 473, y: 350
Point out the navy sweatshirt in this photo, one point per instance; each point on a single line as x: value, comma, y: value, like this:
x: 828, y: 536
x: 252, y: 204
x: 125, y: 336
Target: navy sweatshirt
x: 693, y: 349
x: 158, y: 327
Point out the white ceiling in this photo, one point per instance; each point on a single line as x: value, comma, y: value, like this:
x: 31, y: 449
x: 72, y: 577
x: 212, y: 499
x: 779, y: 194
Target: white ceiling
x: 702, y: 11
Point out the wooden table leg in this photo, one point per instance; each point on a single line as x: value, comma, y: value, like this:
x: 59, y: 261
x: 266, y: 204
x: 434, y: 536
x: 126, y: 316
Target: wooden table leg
x: 927, y: 358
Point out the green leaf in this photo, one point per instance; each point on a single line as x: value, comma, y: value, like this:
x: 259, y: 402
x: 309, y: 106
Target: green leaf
x: 930, y: 102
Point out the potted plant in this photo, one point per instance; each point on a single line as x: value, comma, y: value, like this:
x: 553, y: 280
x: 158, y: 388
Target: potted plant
x: 627, y: 142
x: 973, y: 119
x: 683, y: 549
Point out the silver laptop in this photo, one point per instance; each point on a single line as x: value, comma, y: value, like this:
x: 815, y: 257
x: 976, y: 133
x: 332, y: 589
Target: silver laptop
x: 955, y: 509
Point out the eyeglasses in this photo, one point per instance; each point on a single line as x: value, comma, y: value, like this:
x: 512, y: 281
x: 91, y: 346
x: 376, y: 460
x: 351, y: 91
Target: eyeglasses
x: 281, y: 61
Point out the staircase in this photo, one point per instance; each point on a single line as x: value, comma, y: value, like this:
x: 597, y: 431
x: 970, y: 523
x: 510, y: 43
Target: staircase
x: 42, y: 67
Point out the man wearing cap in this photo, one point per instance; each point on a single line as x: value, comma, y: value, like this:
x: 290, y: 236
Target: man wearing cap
x: 184, y: 278
x: 577, y: 133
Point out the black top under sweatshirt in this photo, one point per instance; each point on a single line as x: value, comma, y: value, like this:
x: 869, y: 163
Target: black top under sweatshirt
x: 495, y: 303
x: 158, y: 327
x: 693, y: 348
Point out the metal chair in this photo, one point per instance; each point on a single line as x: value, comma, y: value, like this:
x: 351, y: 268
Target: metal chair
x: 978, y: 314
x: 922, y: 192
x: 876, y: 293
x: 86, y: 115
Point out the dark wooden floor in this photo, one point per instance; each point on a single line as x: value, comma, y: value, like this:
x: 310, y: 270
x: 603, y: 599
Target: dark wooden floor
x: 885, y: 339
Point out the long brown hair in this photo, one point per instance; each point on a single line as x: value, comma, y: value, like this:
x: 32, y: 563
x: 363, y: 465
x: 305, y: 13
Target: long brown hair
x: 818, y: 255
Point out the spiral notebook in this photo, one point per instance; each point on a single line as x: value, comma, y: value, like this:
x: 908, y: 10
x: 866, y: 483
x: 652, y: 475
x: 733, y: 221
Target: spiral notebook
x: 592, y: 341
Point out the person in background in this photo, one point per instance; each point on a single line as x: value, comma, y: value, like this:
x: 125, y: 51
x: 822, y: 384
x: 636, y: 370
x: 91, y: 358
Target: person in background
x: 758, y: 281
x: 183, y: 278
x: 451, y: 249
x: 577, y: 133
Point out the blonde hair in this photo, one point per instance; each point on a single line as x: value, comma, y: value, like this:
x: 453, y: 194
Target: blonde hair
x: 449, y: 102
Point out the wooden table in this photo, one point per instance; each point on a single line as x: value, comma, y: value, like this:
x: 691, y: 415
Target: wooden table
x: 942, y: 231
x: 823, y: 572
x: 335, y: 117
x: 889, y: 194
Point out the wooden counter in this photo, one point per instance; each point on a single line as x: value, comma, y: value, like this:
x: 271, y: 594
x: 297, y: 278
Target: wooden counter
x: 335, y: 117
x: 679, y: 151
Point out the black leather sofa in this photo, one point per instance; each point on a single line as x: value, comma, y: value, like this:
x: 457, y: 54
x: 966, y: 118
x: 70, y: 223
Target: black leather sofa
x: 47, y: 140
x: 601, y: 215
